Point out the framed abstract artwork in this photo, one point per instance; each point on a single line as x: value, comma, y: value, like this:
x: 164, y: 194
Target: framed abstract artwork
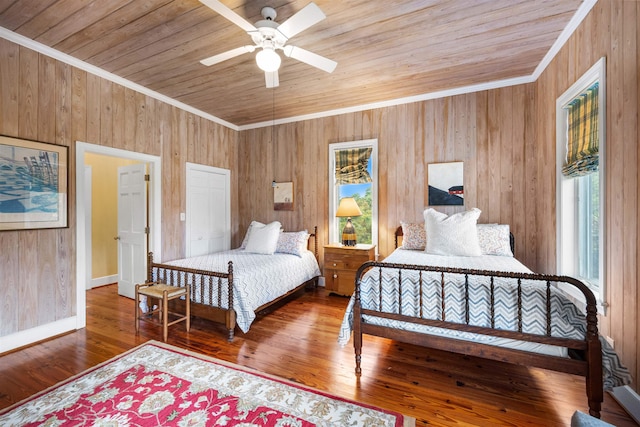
x: 446, y: 184
x: 33, y: 184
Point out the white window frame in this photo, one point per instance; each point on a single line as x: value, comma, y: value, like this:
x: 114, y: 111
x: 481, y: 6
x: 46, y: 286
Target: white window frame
x: 566, y: 188
x: 334, y: 232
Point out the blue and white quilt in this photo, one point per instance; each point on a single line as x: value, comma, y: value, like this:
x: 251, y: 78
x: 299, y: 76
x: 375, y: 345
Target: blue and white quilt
x: 567, y: 320
x: 257, y: 279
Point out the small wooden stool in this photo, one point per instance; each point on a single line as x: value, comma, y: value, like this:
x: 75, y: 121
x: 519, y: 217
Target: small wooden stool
x: 163, y: 293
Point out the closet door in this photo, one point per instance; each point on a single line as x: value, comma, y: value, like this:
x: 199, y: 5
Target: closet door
x: 208, y: 215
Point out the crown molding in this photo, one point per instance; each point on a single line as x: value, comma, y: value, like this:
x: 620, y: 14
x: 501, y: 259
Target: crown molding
x: 68, y: 59
x: 393, y: 102
x: 571, y: 27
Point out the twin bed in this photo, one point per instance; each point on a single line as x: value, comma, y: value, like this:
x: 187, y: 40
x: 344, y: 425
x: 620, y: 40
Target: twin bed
x: 487, y: 305
x: 232, y: 287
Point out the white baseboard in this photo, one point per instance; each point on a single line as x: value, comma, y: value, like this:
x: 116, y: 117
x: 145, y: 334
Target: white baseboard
x: 39, y: 333
x: 629, y: 400
x: 321, y: 281
x: 101, y: 281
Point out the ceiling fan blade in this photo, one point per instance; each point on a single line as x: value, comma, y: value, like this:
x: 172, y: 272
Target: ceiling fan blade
x: 229, y: 14
x: 303, y: 19
x: 310, y: 58
x: 271, y: 78
x: 227, y: 55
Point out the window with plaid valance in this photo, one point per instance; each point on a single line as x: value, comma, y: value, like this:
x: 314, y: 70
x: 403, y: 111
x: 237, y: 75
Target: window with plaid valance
x: 582, y: 142
x: 351, y: 166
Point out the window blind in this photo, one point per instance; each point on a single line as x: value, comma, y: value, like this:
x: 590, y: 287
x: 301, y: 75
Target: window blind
x: 583, y: 141
x: 351, y: 166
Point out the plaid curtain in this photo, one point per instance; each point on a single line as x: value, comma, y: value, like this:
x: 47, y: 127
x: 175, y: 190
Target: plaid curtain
x: 351, y: 166
x: 582, y: 142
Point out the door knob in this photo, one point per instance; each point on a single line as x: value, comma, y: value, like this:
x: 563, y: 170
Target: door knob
x: 116, y: 238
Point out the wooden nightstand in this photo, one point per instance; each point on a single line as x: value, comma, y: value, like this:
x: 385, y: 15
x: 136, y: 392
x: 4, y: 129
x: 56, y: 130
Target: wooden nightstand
x: 341, y: 264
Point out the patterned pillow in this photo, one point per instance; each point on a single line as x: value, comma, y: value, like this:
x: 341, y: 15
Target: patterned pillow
x: 294, y: 243
x: 454, y: 235
x: 414, y: 236
x: 494, y: 239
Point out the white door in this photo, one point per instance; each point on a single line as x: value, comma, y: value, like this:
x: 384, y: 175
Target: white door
x: 132, y: 222
x: 208, y: 214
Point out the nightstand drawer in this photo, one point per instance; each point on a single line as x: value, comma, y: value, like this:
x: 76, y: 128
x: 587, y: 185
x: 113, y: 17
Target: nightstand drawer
x: 341, y: 264
x: 346, y: 263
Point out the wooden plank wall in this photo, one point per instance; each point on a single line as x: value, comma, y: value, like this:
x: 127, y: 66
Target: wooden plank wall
x: 472, y: 128
x: 505, y: 137
x: 611, y: 30
x: 47, y: 100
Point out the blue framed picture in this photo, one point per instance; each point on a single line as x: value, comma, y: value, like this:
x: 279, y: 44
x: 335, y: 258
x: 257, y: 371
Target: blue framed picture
x: 33, y: 184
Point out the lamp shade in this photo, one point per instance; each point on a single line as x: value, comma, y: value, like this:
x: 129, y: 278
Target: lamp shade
x: 348, y: 207
x: 268, y: 60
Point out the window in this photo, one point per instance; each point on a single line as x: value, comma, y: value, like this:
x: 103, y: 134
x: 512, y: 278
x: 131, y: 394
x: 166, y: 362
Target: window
x: 580, y: 117
x: 588, y: 223
x: 357, y: 177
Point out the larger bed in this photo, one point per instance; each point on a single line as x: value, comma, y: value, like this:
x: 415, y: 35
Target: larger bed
x: 489, y: 306
x: 232, y: 287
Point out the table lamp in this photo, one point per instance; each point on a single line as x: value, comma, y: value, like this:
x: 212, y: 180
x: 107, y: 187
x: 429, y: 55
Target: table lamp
x: 348, y: 208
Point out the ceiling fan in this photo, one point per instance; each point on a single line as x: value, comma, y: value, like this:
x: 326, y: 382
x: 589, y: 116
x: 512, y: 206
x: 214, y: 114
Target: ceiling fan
x: 269, y: 36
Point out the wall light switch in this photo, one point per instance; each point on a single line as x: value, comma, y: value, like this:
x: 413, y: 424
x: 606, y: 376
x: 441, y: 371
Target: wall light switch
x: 183, y: 216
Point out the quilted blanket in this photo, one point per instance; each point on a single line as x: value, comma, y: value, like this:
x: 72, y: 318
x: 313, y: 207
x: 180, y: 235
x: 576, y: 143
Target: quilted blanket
x: 567, y: 320
x: 257, y: 279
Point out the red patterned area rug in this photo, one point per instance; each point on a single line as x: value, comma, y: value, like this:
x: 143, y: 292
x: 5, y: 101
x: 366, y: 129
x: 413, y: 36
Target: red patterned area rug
x: 157, y: 384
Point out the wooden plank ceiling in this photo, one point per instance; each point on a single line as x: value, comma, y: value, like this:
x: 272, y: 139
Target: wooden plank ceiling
x: 385, y: 50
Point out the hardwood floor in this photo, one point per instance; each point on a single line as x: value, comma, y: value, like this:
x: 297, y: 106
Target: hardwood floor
x: 298, y: 341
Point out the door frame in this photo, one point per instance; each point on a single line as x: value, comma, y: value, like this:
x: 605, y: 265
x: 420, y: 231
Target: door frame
x: 83, y: 241
x: 191, y: 167
x: 88, y: 197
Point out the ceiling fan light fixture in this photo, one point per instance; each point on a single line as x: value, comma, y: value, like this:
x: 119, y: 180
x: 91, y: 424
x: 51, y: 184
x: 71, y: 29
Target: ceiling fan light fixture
x: 268, y: 36
x: 268, y: 60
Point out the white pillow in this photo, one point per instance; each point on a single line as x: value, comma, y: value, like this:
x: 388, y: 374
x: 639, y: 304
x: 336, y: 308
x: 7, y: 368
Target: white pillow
x: 455, y: 235
x: 494, y: 239
x: 263, y: 240
x: 248, y: 233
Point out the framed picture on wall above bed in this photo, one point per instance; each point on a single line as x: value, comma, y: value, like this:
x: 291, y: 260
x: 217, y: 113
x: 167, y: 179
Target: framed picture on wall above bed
x: 283, y: 196
x: 33, y: 184
x: 446, y: 182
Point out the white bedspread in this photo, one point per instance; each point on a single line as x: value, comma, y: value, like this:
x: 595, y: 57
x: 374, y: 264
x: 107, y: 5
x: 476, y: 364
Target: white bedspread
x: 257, y: 279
